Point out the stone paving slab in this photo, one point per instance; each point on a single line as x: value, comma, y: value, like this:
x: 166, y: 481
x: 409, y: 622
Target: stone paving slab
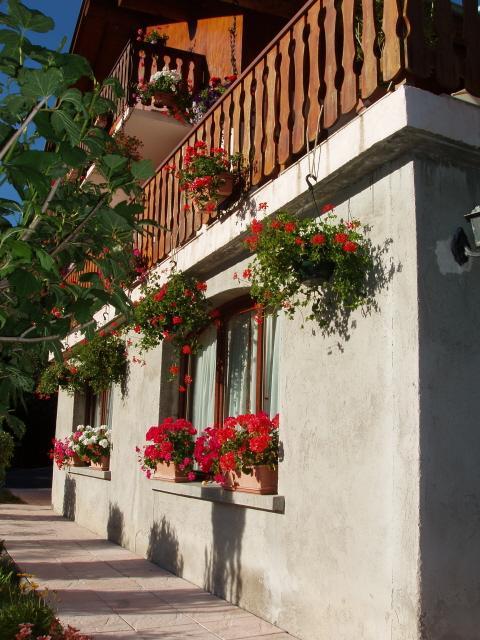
x: 109, y: 592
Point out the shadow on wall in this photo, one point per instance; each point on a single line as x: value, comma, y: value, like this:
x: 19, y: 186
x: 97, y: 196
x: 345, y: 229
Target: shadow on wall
x: 115, y: 524
x: 163, y: 547
x: 223, y: 560
x: 69, y: 498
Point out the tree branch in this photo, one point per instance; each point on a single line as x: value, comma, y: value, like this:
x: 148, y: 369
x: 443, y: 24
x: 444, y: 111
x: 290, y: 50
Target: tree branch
x: 36, y: 221
x: 23, y: 126
x: 44, y: 338
x: 70, y: 238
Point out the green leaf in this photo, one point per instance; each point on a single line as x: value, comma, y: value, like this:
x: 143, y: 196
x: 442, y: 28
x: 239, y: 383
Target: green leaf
x: 35, y: 159
x: 9, y: 206
x: 114, y: 162
x: 29, y: 19
x: 20, y: 249
x: 142, y: 170
x: 62, y: 120
x: 73, y: 156
x: 39, y: 83
x: 75, y: 97
x: 116, y: 86
x: 24, y: 283
x: 46, y: 261
x: 73, y: 66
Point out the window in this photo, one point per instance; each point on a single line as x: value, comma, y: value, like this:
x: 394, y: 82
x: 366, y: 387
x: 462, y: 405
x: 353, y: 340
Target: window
x: 98, y: 407
x: 237, y: 369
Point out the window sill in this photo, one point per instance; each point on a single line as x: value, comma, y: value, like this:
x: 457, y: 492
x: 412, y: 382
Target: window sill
x: 91, y: 473
x: 212, y: 493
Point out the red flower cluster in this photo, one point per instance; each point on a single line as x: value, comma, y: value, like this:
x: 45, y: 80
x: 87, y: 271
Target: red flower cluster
x: 61, y: 452
x: 241, y: 443
x: 172, y: 442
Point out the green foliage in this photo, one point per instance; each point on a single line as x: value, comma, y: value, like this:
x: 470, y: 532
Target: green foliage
x: 56, y: 222
x: 177, y: 311
x: 97, y: 363
x: 18, y: 608
x: 7, y: 446
x: 320, y: 263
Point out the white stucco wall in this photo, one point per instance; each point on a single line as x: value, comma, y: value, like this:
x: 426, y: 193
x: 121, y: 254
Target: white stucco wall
x: 378, y: 539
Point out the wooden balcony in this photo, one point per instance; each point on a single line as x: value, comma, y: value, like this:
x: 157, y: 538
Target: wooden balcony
x: 159, y: 132
x: 328, y: 63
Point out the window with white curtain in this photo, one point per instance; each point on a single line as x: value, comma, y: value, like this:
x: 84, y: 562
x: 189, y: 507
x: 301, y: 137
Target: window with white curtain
x: 236, y: 371
x: 99, y: 408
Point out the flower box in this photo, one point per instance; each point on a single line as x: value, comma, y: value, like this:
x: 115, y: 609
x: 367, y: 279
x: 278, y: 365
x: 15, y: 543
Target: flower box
x: 77, y: 461
x: 170, y: 473
x: 102, y: 465
x: 263, y: 480
x: 225, y: 186
x: 163, y: 99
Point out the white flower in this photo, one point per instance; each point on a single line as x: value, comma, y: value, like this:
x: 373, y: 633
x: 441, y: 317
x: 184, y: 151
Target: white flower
x: 104, y: 443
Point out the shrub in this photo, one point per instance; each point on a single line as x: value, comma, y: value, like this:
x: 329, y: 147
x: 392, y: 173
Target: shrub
x: 7, y: 446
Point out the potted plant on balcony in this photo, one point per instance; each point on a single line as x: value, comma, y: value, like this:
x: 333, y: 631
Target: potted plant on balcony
x: 207, y: 175
x: 152, y: 37
x: 205, y: 99
x: 242, y: 454
x: 93, y: 444
x: 62, y: 453
x: 169, y: 92
x: 170, y: 455
x: 326, y: 260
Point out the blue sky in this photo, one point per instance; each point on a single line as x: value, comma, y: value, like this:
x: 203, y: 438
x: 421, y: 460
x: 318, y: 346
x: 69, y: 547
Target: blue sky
x: 64, y: 13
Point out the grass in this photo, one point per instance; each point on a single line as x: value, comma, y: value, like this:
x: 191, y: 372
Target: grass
x: 7, y: 497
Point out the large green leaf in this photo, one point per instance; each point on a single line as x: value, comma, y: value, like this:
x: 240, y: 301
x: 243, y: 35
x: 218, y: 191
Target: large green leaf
x: 113, y: 162
x: 75, y: 97
x: 46, y: 261
x: 39, y: 83
x: 142, y: 170
x: 73, y: 156
x: 29, y: 19
x: 20, y: 249
x: 63, y: 120
x: 24, y: 283
x: 116, y: 86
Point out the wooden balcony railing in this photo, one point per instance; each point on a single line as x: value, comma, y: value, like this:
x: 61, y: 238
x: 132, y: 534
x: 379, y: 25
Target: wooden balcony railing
x: 329, y: 61
x: 139, y: 60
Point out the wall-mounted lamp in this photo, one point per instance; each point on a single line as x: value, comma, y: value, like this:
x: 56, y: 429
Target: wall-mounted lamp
x: 460, y: 245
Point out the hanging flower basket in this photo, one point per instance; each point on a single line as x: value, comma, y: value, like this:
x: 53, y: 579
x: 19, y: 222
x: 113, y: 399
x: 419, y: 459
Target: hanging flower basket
x: 103, y: 464
x: 314, y: 274
x: 262, y: 480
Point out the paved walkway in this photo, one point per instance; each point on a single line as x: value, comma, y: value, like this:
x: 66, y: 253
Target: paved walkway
x: 109, y: 592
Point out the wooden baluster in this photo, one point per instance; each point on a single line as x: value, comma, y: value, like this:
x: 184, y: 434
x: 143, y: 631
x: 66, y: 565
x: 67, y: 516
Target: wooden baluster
x: 151, y: 214
x: 418, y: 57
x: 330, y: 112
x: 349, y: 90
x: 168, y: 212
x: 189, y: 215
x: 446, y: 64
x: 257, y: 169
x: 155, y: 215
x: 227, y: 123
x: 269, y: 117
x: 175, y: 204
x: 141, y: 66
x: 284, y: 140
x: 298, y: 131
x: 209, y: 132
x: 237, y: 118
x: 471, y: 34
x: 217, y: 122
x: 160, y: 213
x: 392, y: 64
x: 369, y: 76
x: 247, y: 119
x: 314, y: 83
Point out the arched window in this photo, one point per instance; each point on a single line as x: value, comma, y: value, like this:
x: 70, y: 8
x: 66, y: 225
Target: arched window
x: 236, y: 371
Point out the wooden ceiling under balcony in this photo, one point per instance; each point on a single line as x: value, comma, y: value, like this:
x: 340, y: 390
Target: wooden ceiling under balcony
x: 104, y: 26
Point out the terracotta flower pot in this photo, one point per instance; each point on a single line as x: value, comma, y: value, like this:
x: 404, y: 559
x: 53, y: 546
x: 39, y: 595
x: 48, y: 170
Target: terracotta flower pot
x: 264, y: 480
x: 102, y: 465
x: 315, y: 274
x: 163, y: 99
x: 225, y: 187
x: 76, y: 461
x: 170, y: 473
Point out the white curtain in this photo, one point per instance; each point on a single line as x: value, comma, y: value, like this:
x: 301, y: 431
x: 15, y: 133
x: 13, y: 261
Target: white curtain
x: 240, y: 383
x: 204, y: 366
x: 270, y: 365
